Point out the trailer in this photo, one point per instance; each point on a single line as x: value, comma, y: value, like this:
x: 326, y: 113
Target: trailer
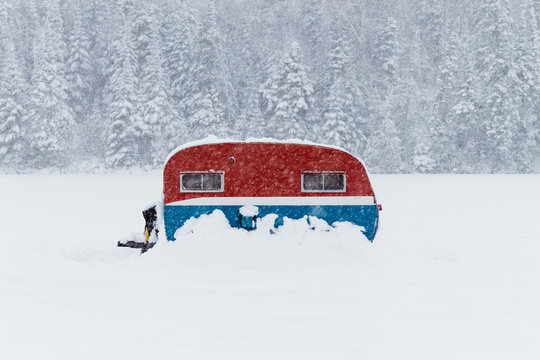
x: 248, y: 180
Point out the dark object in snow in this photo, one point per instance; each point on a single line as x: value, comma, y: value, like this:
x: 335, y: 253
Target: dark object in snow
x: 150, y: 216
x: 247, y: 217
x: 143, y: 245
x: 150, y: 232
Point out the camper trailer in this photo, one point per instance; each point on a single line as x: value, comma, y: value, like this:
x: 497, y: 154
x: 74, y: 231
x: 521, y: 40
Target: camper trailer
x: 247, y: 180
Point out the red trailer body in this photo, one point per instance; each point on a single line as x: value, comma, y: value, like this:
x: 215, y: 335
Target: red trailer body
x: 288, y: 179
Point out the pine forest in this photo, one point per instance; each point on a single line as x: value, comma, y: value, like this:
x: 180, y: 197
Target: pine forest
x: 409, y: 86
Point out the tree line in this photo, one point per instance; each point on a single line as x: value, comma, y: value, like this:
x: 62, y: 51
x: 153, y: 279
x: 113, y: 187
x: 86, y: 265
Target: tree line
x: 409, y: 86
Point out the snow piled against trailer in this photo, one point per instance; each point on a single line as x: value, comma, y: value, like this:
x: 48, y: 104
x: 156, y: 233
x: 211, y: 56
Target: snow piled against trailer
x: 303, y: 242
x: 453, y: 273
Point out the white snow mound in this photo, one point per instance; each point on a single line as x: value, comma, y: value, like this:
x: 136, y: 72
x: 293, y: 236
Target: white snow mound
x: 249, y: 210
x: 209, y: 240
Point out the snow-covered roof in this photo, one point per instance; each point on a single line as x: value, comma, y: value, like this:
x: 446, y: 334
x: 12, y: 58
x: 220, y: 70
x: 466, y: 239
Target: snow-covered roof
x: 212, y: 139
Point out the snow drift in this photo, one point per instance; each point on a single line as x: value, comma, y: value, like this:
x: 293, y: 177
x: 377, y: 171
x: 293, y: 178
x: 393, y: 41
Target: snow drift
x: 210, y: 241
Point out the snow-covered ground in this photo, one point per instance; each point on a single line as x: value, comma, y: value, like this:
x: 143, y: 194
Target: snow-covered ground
x: 454, y: 273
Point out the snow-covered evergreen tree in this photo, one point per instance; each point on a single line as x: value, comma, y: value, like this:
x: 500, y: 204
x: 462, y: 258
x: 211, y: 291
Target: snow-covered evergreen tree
x: 211, y: 107
x: 341, y: 115
x: 160, y: 127
x: 536, y: 6
x: 27, y: 20
x: 144, y: 18
x: 314, y: 34
x: 179, y: 50
x: 339, y: 57
x: 528, y: 88
x: 385, y: 58
x: 102, y: 17
x: 6, y: 12
x: 287, y: 97
x: 51, y: 117
x: 121, y: 97
x: 6, y: 21
x: 466, y: 122
x: 422, y: 158
x: 384, y: 146
x: 312, y: 17
x: 14, y: 134
x: 249, y: 122
x: 494, y: 64
x: 431, y: 26
x: 341, y: 127
x: 79, y: 67
x: 444, y: 131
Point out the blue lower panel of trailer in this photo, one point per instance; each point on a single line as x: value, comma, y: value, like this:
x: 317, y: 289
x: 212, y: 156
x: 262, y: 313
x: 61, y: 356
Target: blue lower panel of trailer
x: 363, y: 215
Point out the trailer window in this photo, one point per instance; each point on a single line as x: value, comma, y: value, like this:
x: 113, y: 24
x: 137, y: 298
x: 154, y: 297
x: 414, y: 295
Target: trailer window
x: 193, y: 182
x: 313, y: 182
x: 323, y: 182
x: 334, y: 181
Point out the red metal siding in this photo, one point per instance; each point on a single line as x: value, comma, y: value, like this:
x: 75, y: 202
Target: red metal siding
x: 263, y: 169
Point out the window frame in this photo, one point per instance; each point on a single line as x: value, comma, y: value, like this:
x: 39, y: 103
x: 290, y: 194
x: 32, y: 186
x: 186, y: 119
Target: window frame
x: 221, y: 173
x: 323, y: 173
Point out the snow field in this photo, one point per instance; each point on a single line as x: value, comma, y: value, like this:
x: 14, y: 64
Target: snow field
x: 453, y: 273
